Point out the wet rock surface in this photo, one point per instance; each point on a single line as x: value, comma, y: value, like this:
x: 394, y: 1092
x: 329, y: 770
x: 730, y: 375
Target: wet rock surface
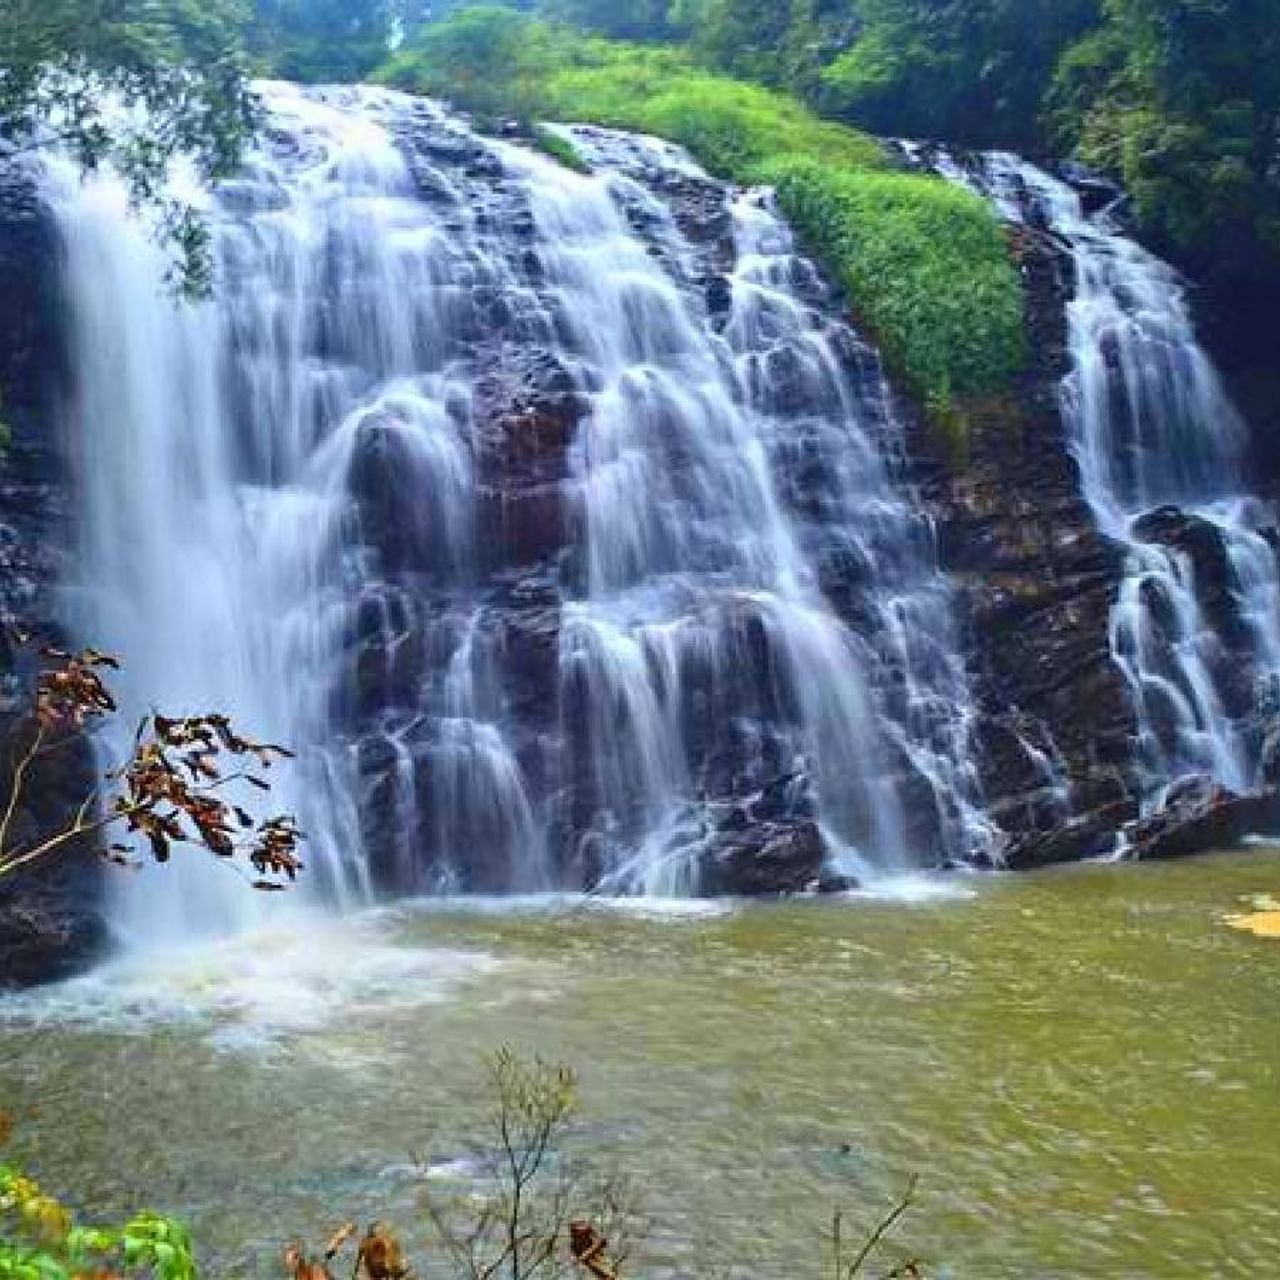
x: 50, y: 922
x: 1056, y: 728
x: 1201, y: 816
x: 766, y: 859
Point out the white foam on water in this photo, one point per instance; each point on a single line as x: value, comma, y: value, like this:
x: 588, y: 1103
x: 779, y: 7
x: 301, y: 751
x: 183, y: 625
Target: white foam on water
x: 260, y: 987
x: 917, y: 889
x: 557, y: 904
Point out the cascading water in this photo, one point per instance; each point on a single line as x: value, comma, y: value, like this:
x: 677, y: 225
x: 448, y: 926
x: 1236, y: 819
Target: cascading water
x: 1196, y: 629
x: 552, y: 518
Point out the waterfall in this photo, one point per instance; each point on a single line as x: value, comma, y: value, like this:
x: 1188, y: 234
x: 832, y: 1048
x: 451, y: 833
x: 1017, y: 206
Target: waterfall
x: 1196, y: 628
x: 557, y: 521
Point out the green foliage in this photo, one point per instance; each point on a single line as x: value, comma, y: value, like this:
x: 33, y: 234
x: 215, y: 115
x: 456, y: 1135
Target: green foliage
x: 490, y: 59
x: 730, y: 126
x: 329, y: 40
x: 924, y: 264
x: 778, y: 42
x: 39, y: 1240
x: 971, y: 70
x: 135, y: 86
x: 559, y: 148
x: 927, y: 268
x: 1180, y: 99
x: 634, y: 20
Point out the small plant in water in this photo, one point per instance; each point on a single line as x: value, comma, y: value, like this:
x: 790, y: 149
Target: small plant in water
x: 527, y: 1210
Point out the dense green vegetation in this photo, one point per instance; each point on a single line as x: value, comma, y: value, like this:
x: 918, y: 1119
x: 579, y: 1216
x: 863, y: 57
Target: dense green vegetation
x: 1178, y: 99
x: 40, y: 1240
x: 954, y: 338
x: 925, y: 265
x: 330, y: 40
x: 1181, y: 100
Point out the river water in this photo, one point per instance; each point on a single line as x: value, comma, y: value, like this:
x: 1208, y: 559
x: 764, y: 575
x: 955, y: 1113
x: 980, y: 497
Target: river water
x: 1082, y: 1066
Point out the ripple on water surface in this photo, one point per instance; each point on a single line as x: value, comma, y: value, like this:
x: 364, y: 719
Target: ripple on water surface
x: 1082, y: 1066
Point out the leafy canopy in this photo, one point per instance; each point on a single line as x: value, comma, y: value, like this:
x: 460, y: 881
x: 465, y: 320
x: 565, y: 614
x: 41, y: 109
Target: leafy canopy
x: 134, y: 84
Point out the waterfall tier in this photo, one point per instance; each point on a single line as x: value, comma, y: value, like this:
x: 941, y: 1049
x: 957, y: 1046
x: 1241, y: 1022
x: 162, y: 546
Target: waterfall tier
x: 1160, y: 450
x: 558, y: 521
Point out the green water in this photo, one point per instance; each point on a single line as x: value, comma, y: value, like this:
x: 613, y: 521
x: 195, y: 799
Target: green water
x: 1082, y: 1067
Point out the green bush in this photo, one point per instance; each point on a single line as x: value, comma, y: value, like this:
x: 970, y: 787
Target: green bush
x: 730, y: 126
x: 925, y: 265
x: 559, y: 148
x: 39, y: 1240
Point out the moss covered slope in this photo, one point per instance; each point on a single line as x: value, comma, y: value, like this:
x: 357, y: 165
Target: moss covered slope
x: 925, y: 265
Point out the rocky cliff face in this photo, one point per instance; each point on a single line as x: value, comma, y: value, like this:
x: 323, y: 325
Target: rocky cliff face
x: 1055, y: 731
x: 1039, y: 582
x: 49, y: 922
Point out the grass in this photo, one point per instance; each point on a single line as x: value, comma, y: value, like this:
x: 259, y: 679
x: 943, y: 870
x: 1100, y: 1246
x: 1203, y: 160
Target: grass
x: 928, y: 267
x: 925, y: 265
x: 558, y: 148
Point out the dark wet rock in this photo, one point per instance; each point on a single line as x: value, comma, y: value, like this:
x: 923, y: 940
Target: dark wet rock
x: 770, y: 859
x: 1200, y: 541
x: 49, y: 923
x: 1201, y: 816
x: 1038, y: 581
x: 1096, y: 191
x: 32, y: 358
x: 719, y: 294
x: 1269, y: 758
x: 788, y: 796
x: 1090, y: 835
x: 410, y: 503
x: 49, y: 930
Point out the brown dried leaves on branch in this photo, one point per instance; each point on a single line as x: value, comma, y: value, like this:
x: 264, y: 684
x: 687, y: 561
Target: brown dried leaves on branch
x: 172, y: 789
x: 169, y: 794
x: 590, y: 1251
x: 72, y: 694
x: 378, y: 1256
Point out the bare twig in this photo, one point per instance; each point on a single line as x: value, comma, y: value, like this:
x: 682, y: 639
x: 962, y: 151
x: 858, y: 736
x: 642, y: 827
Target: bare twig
x: 886, y: 1225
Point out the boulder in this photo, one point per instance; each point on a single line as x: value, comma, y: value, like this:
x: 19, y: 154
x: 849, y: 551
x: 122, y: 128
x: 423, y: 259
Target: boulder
x: 1201, y: 542
x: 765, y: 859
x: 1200, y: 816
x: 50, y: 930
x: 1091, y: 835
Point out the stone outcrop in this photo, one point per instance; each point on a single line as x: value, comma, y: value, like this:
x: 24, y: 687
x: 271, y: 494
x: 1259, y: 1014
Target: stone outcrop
x: 50, y: 925
x: 1200, y: 816
x: 1038, y: 580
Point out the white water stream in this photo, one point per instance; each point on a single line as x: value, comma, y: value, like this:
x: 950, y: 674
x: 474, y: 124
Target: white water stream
x: 283, y: 483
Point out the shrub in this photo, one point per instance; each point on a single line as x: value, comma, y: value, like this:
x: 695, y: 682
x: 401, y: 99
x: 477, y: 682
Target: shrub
x: 39, y: 1240
x: 927, y: 267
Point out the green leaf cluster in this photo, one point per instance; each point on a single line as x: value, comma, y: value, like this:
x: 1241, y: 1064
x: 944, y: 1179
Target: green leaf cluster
x: 1180, y: 99
x: 134, y: 85
x: 39, y: 1240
